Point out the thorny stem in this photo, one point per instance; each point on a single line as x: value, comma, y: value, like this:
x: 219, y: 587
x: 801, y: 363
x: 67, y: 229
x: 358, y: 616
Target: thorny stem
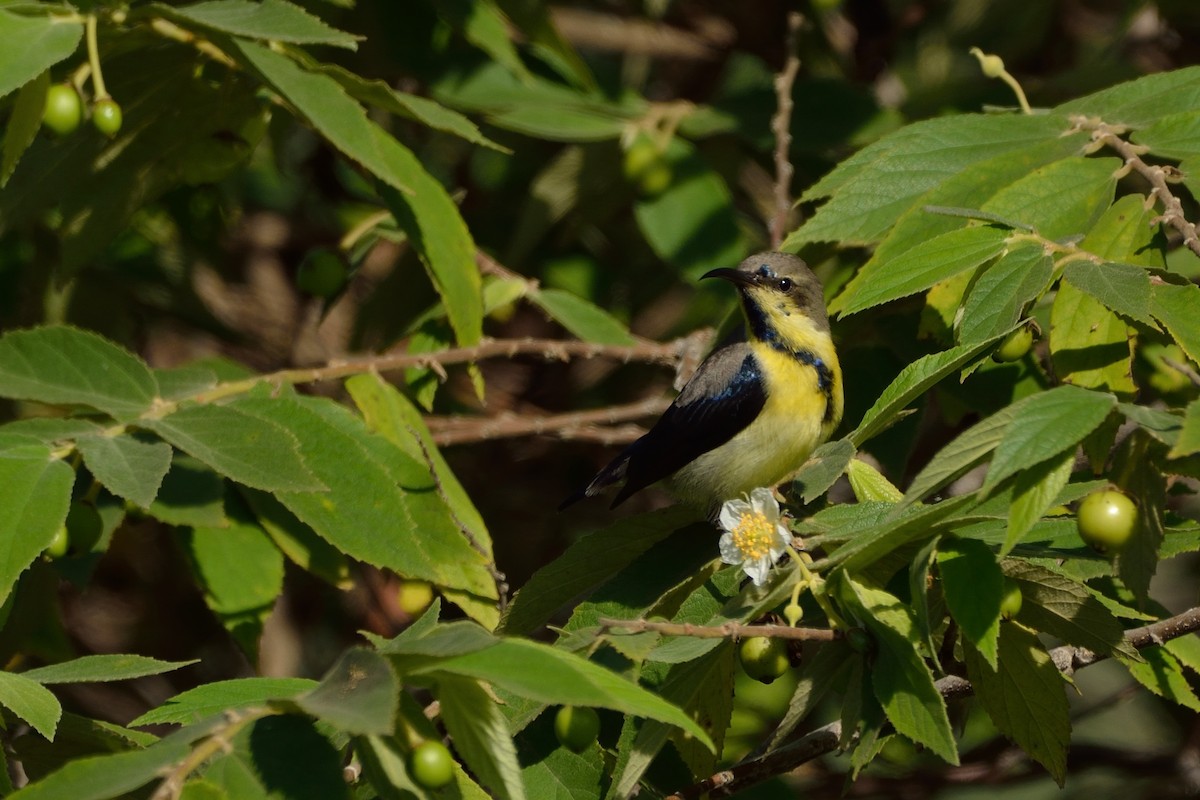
x: 730, y: 630
x: 1104, y: 134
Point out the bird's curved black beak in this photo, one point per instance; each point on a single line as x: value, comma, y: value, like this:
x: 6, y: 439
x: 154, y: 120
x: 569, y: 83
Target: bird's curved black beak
x: 735, y: 276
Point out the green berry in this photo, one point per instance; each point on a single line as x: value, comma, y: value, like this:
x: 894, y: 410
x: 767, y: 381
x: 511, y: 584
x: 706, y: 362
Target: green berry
x: 60, y: 544
x: 639, y: 157
x: 413, y: 597
x: 63, y: 109
x: 322, y: 273
x: 1010, y: 600
x: 106, y: 116
x: 1015, y: 345
x: 1106, y: 519
x: 576, y: 727
x: 430, y: 765
x: 656, y: 179
x: 764, y: 658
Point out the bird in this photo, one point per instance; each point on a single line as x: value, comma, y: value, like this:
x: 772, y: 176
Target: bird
x: 757, y: 406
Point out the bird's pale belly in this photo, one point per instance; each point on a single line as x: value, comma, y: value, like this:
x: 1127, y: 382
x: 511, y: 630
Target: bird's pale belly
x: 776, y: 444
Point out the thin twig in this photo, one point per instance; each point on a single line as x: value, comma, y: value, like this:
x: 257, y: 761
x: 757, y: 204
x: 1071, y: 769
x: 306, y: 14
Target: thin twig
x: 216, y: 741
x: 1109, y: 135
x: 825, y: 740
x: 1183, y: 369
x: 730, y: 630
x: 548, y: 349
x: 781, y: 127
x: 572, y: 425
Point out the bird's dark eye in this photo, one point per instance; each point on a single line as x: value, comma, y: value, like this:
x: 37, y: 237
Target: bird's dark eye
x: 785, y: 284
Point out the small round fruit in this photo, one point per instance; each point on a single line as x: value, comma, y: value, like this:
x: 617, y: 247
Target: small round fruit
x: 656, y: 179
x: 413, y: 597
x: 576, y: 727
x: 322, y: 273
x: 63, y: 109
x: 1010, y: 600
x: 641, y: 155
x: 106, y: 116
x: 430, y: 765
x: 764, y: 658
x: 60, y: 544
x: 1106, y: 519
x: 1015, y: 345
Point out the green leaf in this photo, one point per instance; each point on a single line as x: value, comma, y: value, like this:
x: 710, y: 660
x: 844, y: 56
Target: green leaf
x: 973, y: 585
x: 480, y: 735
x: 550, y: 675
x: 437, y: 230
x: 563, y: 775
x: 868, y: 483
x: 912, y: 382
x: 1061, y: 199
x: 1173, y: 136
x: 381, y: 507
x: 1061, y: 607
x: 1123, y: 288
x: 342, y: 121
x: 390, y: 414
x: 239, y: 445
x: 177, y: 383
x: 1091, y: 346
x: 191, y: 494
x: 1189, y: 435
x: 1126, y: 233
x: 30, y: 701
x: 590, y: 562
x: 870, y: 190
x: 1035, y: 492
x: 86, y: 669
x: 106, y: 776
x: 823, y: 468
x: 1024, y: 694
x: 1139, y: 102
x: 288, y: 756
x: 64, y: 365
x: 1161, y: 673
x: 298, y: 541
x: 915, y: 270
x: 35, y: 493
x: 897, y: 527
x: 561, y: 124
x: 1049, y: 423
x: 998, y: 297
x: 240, y: 571
x: 1175, y: 307
x: 126, y: 466
x: 357, y: 695
x: 902, y: 681
x: 584, y: 319
x: 23, y: 123
x: 210, y: 699
x: 269, y: 20
x: 1137, y: 461
x: 818, y: 676
x: 429, y: 113
x: 692, y: 224
x: 33, y: 44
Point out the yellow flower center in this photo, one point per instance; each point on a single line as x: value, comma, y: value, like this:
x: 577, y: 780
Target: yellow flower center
x: 754, y: 535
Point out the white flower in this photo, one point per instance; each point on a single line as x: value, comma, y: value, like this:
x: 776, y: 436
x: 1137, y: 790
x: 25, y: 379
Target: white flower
x: 755, y: 536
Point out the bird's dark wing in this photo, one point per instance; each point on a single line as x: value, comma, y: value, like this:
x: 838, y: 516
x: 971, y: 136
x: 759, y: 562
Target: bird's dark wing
x: 723, y: 397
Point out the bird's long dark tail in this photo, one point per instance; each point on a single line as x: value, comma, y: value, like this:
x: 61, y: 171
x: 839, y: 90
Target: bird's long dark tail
x: 614, y: 472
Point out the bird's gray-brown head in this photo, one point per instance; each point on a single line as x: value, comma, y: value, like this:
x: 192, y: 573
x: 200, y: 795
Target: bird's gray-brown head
x: 779, y: 293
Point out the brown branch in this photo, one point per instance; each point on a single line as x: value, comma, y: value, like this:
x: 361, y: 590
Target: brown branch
x: 825, y: 740
x: 571, y: 425
x: 781, y: 127
x: 730, y: 630
x: 1183, y: 369
x: 548, y: 349
x: 1109, y: 135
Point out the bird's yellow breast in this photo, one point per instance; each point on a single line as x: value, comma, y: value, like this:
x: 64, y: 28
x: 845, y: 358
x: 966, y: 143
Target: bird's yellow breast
x: 798, y: 415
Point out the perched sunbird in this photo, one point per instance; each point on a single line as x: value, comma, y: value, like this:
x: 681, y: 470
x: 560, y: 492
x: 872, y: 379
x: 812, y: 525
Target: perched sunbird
x: 757, y: 406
